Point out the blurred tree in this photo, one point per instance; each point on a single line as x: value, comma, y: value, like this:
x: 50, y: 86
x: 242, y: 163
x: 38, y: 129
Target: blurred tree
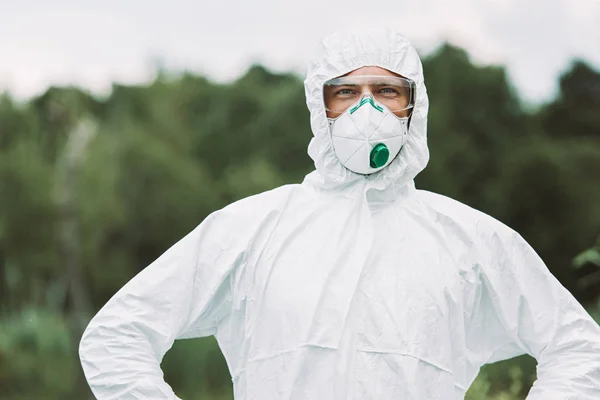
x: 56, y: 113
x: 28, y: 218
x: 575, y: 113
x: 36, y: 357
x: 16, y: 123
x: 474, y: 118
x: 588, y: 262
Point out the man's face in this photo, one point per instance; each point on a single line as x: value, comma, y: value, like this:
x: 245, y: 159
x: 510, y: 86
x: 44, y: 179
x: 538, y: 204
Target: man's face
x: 331, y: 92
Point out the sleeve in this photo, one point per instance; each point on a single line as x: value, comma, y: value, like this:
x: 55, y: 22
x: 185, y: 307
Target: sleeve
x: 182, y: 294
x: 525, y: 309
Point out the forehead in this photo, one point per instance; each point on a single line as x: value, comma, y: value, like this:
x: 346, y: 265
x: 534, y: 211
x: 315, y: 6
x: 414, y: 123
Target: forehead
x: 371, y: 70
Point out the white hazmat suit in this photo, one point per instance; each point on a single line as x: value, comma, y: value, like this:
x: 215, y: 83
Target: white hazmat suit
x: 348, y: 286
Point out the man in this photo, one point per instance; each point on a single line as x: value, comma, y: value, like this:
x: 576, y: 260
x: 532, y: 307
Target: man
x: 353, y: 284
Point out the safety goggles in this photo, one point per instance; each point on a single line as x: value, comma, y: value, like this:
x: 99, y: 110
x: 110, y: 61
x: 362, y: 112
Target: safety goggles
x: 396, y: 93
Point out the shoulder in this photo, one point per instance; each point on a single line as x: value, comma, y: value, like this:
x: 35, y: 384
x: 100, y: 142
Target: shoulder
x: 247, y: 216
x: 448, y: 211
x: 491, y: 240
x: 261, y: 204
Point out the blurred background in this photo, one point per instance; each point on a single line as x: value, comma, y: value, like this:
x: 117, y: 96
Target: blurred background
x: 112, y: 115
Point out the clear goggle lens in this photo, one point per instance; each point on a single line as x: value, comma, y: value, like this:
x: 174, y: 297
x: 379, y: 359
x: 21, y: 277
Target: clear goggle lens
x: 396, y: 93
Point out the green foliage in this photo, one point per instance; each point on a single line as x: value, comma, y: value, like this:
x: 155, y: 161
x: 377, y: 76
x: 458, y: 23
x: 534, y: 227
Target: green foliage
x: 36, y: 356
x: 575, y: 113
x: 196, y: 369
x: 165, y: 155
x: 475, y: 119
x: 504, y: 380
x: 588, y: 265
x: 481, y: 389
x: 589, y: 256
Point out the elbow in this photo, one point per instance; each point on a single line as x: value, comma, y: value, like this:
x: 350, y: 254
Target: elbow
x: 85, y: 345
x: 86, y: 351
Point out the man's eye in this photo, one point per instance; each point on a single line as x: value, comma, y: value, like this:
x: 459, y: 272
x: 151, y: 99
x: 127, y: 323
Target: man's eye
x: 345, y: 92
x: 388, y: 91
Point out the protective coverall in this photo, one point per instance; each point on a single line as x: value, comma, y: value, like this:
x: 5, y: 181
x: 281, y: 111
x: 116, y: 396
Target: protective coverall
x: 348, y: 286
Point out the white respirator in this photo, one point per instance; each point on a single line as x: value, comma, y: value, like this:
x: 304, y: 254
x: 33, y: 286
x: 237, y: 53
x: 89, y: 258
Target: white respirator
x: 368, y: 136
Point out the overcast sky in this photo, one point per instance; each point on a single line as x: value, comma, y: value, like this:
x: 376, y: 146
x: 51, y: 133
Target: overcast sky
x: 92, y: 43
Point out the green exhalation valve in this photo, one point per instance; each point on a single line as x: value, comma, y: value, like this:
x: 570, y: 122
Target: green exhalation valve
x: 379, y: 155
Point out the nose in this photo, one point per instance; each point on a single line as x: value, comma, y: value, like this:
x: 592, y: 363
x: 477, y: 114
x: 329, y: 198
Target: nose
x: 365, y: 94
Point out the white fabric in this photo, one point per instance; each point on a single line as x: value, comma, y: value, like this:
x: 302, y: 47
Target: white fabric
x: 348, y: 286
x: 355, y: 134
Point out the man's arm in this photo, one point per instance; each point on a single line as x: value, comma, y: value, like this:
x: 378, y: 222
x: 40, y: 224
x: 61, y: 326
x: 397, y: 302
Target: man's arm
x: 182, y: 294
x: 525, y: 309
